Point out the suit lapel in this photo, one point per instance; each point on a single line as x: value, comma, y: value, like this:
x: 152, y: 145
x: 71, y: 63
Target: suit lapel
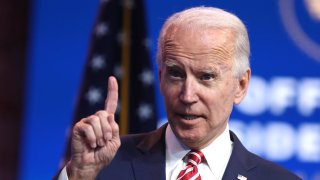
x: 150, y: 164
x: 240, y: 161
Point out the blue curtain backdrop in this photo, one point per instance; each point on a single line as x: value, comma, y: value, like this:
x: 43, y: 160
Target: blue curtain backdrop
x: 279, y: 119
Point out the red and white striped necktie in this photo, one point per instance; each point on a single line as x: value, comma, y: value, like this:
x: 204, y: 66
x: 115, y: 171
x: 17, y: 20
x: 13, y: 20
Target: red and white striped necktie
x: 190, y: 172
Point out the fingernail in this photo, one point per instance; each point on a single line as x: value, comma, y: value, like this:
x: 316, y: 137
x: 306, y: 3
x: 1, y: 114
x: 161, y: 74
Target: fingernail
x: 93, y: 145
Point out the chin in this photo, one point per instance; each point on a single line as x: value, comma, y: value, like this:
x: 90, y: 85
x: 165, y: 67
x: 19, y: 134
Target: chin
x: 189, y: 137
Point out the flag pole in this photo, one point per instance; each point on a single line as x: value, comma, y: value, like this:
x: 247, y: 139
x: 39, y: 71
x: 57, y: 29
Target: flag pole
x: 125, y: 63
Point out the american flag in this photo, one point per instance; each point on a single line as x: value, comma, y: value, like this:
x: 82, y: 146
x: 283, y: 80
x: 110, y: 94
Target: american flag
x: 120, y: 47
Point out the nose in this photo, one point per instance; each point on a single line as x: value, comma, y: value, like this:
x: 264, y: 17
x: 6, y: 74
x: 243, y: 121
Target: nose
x: 188, y: 94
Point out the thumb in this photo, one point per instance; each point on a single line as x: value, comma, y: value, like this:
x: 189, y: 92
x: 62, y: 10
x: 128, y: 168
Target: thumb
x: 114, y: 127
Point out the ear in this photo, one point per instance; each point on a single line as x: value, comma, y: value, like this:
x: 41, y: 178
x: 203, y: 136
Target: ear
x: 242, y: 86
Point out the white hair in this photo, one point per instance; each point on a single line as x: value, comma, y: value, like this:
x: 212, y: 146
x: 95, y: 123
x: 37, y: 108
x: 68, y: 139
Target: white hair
x: 204, y: 18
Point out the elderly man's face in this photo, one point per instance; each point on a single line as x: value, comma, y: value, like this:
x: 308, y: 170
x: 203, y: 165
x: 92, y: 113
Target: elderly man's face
x: 198, y: 85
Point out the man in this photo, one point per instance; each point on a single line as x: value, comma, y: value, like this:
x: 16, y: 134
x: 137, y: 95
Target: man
x: 203, y: 58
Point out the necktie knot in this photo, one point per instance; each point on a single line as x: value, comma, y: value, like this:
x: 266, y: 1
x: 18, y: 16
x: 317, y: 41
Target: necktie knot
x: 195, y: 157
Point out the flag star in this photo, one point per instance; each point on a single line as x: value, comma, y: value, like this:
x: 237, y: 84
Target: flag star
x: 98, y: 62
x: 94, y: 95
x: 102, y: 29
x: 146, y: 77
x: 118, y: 71
x: 144, y: 112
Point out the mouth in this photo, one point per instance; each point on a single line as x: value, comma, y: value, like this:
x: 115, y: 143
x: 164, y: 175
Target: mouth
x: 189, y: 117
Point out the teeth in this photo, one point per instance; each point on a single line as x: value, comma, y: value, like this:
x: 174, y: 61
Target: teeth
x: 189, y: 117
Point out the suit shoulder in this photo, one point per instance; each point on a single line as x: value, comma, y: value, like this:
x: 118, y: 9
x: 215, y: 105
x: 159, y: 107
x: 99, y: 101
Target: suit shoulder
x: 129, y: 143
x: 271, y: 169
x: 254, y: 166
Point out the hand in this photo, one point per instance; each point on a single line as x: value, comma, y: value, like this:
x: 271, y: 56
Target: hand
x: 95, y: 139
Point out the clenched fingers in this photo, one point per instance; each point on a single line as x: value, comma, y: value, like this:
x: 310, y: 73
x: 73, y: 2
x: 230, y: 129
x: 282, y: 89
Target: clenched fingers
x: 94, y: 122
x: 105, y: 125
x: 97, y: 129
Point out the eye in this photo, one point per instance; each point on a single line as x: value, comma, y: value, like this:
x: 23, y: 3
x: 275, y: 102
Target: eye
x: 175, y: 72
x: 207, y: 76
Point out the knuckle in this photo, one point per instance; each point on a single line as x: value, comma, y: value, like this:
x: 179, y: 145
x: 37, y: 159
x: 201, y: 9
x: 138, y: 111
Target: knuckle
x: 86, y: 128
x: 77, y: 125
x: 102, y: 113
x: 93, y: 120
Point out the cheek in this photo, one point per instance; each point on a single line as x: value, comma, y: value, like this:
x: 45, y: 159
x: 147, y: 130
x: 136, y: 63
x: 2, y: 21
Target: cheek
x: 220, y: 102
x: 228, y: 90
x: 170, y: 93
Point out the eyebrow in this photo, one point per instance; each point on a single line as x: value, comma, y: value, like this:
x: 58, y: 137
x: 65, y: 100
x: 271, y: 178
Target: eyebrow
x: 206, y: 69
x: 170, y: 63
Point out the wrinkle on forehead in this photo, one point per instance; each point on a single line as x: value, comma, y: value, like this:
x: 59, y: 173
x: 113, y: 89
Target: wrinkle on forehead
x: 215, y: 44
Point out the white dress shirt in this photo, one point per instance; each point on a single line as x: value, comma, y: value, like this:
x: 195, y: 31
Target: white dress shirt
x: 217, y: 155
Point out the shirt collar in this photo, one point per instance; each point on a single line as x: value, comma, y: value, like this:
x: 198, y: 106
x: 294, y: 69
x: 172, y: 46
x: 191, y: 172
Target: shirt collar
x: 175, y: 150
x: 217, y: 153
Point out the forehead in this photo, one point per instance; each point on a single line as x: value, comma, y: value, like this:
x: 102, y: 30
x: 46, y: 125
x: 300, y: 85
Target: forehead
x: 214, y: 44
x: 200, y: 35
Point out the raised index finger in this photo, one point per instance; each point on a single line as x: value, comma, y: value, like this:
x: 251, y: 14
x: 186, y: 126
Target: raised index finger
x: 112, y: 96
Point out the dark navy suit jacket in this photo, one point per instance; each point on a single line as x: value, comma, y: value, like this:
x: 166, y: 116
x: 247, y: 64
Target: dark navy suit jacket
x: 142, y: 157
